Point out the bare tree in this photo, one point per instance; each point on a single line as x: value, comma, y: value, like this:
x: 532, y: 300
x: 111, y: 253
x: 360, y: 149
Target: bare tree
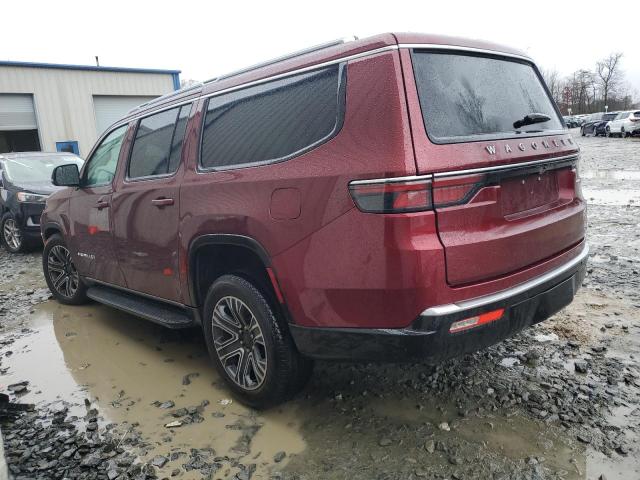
x: 609, y: 74
x: 552, y: 79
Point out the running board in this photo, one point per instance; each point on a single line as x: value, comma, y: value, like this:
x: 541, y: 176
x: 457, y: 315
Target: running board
x: 157, y: 311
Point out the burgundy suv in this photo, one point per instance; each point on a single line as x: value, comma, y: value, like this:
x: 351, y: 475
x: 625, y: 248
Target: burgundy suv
x: 399, y: 197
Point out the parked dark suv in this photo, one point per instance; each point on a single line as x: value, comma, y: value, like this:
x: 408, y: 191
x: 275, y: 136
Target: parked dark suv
x: 399, y: 197
x: 25, y: 184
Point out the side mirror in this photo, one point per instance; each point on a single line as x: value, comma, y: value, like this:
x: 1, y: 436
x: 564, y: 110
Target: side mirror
x: 66, y: 175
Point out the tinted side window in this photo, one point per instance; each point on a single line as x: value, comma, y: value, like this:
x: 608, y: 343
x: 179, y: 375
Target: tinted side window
x: 152, y: 145
x: 101, y: 167
x: 272, y: 121
x: 178, y: 138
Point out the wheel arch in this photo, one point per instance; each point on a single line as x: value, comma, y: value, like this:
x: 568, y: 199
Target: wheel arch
x: 212, y: 255
x: 49, y: 229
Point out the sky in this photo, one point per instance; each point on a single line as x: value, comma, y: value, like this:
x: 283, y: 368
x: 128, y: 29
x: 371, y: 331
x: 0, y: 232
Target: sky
x: 206, y: 39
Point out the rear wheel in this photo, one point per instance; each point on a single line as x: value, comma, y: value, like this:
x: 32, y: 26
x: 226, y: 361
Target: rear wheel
x: 11, y: 235
x: 623, y: 134
x: 250, y: 345
x: 607, y: 132
x: 60, y: 273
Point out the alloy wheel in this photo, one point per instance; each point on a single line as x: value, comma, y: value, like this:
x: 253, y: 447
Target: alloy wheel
x: 62, y: 273
x: 11, y: 233
x: 239, y: 343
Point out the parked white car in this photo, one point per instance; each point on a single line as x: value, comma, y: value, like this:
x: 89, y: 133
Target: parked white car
x: 625, y: 123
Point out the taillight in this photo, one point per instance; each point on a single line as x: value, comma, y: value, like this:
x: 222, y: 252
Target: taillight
x: 404, y: 195
x: 458, y: 190
x: 392, y: 195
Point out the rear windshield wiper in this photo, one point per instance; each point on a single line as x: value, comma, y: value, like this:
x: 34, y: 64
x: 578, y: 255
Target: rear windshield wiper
x: 530, y: 119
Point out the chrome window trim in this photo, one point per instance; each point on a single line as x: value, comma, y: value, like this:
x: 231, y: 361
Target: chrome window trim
x: 347, y: 58
x: 279, y: 76
x: 464, y: 305
x: 453, y: 173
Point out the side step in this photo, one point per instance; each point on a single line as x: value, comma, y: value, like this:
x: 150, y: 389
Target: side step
x: 159, y: 312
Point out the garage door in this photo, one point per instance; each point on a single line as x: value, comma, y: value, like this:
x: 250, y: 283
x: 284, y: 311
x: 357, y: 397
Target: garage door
x: 16, y: 112
x: 110, y: 108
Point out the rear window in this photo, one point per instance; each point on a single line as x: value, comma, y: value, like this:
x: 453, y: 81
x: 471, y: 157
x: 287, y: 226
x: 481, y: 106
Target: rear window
x: 471, y: 97
x: 273, y: 121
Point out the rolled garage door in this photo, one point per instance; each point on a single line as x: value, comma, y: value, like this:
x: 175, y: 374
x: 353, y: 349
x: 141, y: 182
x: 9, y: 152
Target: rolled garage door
x: 17, y: 112
x: 111, y: 108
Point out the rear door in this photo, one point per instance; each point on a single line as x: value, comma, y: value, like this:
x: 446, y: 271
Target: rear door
x: 504, y: 169
x: 146, y: 205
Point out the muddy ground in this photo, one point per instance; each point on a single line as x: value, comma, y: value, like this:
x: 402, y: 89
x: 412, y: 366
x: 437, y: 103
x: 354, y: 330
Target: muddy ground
x: 560, y: 400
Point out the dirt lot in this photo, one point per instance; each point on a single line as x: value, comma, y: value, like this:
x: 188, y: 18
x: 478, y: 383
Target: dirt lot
x: 561, y: 400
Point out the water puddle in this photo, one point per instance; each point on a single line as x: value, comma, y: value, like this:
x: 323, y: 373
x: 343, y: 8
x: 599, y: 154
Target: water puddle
x: 611, y: 174
x: 611, y: 196
x: 617, y: 467
x: 514, y: 437
x: 123, y: 365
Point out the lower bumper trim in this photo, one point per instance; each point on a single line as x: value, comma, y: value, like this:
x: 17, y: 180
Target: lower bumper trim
x: 429, y: 339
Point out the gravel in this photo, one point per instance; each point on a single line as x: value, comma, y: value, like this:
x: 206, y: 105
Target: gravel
x: 537, y: 405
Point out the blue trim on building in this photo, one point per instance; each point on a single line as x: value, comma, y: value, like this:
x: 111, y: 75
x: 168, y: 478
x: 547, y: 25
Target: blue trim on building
x: 176, y: 80
x: 68, y: 146
x: 62, y: 66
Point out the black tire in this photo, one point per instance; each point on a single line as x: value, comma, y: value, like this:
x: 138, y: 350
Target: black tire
x: 582, y: 132
x: 70, y: 290
x: 274, y: 371
x: 11, y: 236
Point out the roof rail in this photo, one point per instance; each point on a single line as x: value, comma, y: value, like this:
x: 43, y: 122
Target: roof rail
x: 298, y: 53
x: 166, y: 96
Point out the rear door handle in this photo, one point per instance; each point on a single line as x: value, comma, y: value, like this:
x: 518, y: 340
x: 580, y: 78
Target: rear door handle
x: 102, y: 203
x: 162, y: 202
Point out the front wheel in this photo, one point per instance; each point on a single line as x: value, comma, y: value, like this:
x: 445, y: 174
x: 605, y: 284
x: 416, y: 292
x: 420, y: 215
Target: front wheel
x: 11, y: 235
x: 60, y: 273
x: 250, y: 345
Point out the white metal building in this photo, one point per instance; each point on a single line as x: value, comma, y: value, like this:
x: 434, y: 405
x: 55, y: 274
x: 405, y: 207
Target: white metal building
x: 51, y: 107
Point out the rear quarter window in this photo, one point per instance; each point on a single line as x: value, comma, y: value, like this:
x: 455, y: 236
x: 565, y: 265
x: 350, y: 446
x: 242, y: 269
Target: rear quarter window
x: 467, y: 97
x: 273, y: 121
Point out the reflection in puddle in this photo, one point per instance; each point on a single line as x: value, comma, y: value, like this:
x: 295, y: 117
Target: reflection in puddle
x: 124, y: 365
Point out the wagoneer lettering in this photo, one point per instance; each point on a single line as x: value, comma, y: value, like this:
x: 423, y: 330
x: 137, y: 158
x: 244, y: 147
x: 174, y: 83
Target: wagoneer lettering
x: 392, y: 198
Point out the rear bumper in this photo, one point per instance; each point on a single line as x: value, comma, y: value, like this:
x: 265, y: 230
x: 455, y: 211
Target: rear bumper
x: 428, y: 337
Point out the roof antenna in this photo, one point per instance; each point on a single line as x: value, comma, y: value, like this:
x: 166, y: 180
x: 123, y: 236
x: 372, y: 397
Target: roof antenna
x: 97, y: 61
